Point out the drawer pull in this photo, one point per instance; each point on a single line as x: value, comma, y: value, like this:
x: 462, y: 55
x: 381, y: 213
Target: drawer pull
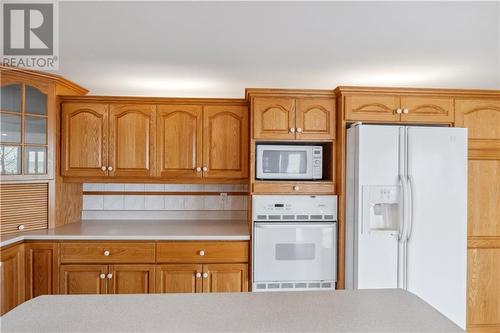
x: 103, y: 168
x: 20, y: 227
x: 201, y: 253
x: 102, y: 276
x: 109, y: 276
x: 205, y: 275
x: 296, y: 188
x: 198, y: 275
x: 398, y: 111
x: 406, y: 111
x: 299, y: 130
x: 106, y: 253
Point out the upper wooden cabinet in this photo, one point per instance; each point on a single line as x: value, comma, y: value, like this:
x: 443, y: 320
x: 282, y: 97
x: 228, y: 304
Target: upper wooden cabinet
x: 374, y: 104
x: 103, y: 140
x: 180, y: 135
x: 293, y: 118
x: 225, y: 142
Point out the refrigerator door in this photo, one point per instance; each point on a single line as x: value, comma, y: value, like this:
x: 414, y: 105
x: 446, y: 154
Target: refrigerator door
x: 373, y: 207
x: 437, y: 232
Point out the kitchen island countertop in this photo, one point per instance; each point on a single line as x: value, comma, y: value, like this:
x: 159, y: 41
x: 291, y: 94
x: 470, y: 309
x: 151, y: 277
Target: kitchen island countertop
x: 138, y: 230
x: 386, y: 310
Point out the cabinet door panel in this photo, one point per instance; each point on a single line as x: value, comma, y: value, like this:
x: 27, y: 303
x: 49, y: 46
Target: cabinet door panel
x: 178, y: 278
x: 131, y: 279
x: 368, y: 107
x: 225, y: 142
x: 132, y: 140
x: 225, y: 278
x: 180, y: 134
x: 84, y: 139
x: 12, y: 278
x: 427, y: 109
x: 83, y: 279
x: 42, y: 270
x: 315, y: 118
x: 273, y: 117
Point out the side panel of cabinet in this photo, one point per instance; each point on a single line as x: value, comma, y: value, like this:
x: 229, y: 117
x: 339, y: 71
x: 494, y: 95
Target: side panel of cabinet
x: 82, y: 279
x: 225, y: 278
x: 315, y: 118
x: 273, y: 117
x: 180, y: 134
x: 84, y: 139
x: 371, y: 107
x: 225, y: 142
x: 42, y: 269
x: 427, y: 109
x: 132, y: 140
x: 131, y: 279
x: 11, y: 278
x: 178, y: 278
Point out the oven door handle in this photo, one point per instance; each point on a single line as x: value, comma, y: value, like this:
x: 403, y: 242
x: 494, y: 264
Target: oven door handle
x: 296, y: 225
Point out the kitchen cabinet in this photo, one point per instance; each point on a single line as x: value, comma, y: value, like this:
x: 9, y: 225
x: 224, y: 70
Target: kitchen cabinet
x: 289, y: 118
x: 218, y: 278
x: 107, y: 252
x: 131, y: 279
x: 103, y: 140
x: 395, y: 108
x: 42, y: 269
x: 83, y: 279
x: 180, y: 135
x: 11, y: 277
x: 273, y: 187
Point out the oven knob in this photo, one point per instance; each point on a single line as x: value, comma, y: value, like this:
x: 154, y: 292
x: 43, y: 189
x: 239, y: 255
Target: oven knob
x: 296, y: 188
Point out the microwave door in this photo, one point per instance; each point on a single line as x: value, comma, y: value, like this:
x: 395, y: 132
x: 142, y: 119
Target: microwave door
x: 284, y: 162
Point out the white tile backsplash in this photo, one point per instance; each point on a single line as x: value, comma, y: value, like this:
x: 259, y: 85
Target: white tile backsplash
x: 154, y: 202
x: 114, y: 187
x: 154, y: 187
x: 134, y: 187
x: 113, y: 202
x: 134, y: 202
x: 174, y: 202
x: 93, y: 202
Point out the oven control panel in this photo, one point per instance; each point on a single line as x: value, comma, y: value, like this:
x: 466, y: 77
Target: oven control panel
x: 289, y: 208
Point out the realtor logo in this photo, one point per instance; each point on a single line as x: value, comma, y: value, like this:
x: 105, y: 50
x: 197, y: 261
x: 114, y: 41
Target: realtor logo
x: 29, y: 35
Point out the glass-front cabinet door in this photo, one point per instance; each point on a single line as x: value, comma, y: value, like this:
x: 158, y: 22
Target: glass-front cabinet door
x: 24, y: 129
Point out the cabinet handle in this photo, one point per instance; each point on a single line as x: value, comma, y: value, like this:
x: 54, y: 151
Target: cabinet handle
x: 103, y: 168
x: 292, y: 129
x: 198, y: 275
x: 20, y: 227
x: 102, y: 276
x: 109, y: 276
x: 299, y: 130
x: 205, y: 169
x: 106, y: 253
x: 110, y: 168
x: 201, y: 253
x: 398, y: 111
x: 205, y: 275
x: 198, y: 169
x: 406, y: 111
x: 296, y: 188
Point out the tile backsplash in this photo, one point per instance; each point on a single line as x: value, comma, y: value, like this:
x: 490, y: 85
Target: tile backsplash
x: 163, y: 206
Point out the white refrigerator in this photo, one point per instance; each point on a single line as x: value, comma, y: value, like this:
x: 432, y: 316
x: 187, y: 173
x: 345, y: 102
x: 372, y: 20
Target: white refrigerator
x: 406, y: 218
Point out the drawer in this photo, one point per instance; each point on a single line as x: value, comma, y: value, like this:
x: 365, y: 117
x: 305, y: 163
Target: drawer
x: 202, y: 252
x: 107, y: 252
x: 294, y: 187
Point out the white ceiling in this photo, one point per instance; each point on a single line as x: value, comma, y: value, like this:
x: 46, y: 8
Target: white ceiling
x: 218, y: 49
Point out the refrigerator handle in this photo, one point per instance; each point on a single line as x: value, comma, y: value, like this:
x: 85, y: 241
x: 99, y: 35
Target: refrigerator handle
x: 402, y: 227
x: 411, y: 184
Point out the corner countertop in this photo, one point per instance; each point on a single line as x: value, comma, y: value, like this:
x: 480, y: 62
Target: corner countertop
x: 383, y: 310
x: 138, y: 230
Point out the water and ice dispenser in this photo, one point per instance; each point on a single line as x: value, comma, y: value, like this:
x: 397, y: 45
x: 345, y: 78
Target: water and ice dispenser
x: 381, y: 209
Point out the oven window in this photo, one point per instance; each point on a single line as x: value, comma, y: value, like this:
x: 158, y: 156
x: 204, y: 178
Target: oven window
x: 295, y: 251
x: 284, y: 161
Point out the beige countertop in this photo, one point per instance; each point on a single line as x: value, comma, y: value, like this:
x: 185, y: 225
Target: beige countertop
x: 139, y: 230
x: 384, y: 310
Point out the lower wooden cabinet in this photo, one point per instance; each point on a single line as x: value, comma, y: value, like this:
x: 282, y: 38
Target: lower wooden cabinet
x: 11, y: 277
x: 107, y: 279
x: 42, y: 269
x: 206, y: 278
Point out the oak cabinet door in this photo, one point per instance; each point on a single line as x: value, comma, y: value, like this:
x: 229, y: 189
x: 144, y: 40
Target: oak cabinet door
x: 132, y: 140
x: 11, y: 278
x: 273, y: 118
x: 180, y: 129
x: 427, y: 109
x: 225, y: 278
x: 131, y: 279
x: 372, y: 107
x: 225, y: 142
x: 184, y: 278
x: 42, y: 270
x: 84, y: 139
x: 315, y: 118
x: 83, y: 279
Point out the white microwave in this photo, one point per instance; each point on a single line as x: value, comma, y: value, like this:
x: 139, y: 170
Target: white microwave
x: 289, y: 162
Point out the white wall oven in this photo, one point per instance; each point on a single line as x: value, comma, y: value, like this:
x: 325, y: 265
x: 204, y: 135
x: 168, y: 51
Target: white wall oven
x: 304, y: 162
x: 294, y: 243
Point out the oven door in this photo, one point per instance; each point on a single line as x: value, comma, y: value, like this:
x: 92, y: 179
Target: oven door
x: 294, y: 252
x: 284, y: 162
